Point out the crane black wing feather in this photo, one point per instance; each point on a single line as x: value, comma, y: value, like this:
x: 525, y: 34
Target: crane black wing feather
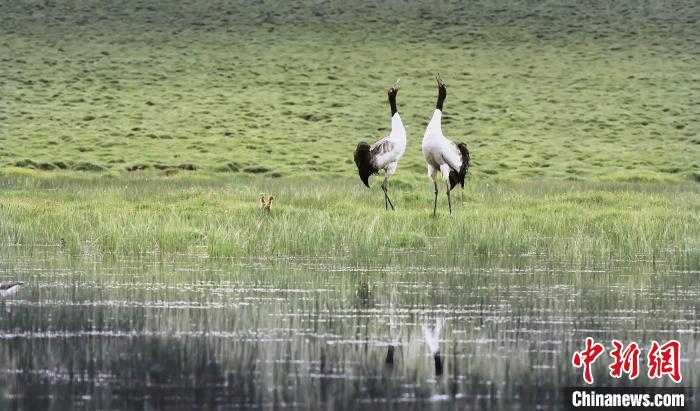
x: 363, y: 160
x: 369, y: 159
x: 457, y: 176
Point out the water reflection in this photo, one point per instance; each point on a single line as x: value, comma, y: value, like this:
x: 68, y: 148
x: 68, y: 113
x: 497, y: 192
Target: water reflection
x: 196, y: 333
x: 432, y: 340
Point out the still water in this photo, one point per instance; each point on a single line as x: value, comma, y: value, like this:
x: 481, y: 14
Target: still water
x: 188, y: 332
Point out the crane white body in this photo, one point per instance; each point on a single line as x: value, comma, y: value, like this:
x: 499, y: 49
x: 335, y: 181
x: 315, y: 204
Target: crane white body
x: 440, y: 153
x: 445, y: 159
x: 388, y: 151
x: 385, y: 153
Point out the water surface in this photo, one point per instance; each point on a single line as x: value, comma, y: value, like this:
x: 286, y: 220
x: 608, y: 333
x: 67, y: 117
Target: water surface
x: 95, y: 332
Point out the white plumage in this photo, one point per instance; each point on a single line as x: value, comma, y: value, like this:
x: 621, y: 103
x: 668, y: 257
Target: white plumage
x: 445, y: 159
x: 388, y: 151
x: 441, y: 154
x: 385, y: 153
x: 11, y: 288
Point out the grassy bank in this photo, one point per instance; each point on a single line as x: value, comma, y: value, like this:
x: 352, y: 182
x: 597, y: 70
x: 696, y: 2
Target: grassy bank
x: 214, y: 216
x: 567, y: 108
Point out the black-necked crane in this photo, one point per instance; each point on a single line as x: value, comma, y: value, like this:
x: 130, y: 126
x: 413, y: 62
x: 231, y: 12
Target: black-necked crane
x: 445, y: 159
x: 385, y: 153
x: 10, y: 288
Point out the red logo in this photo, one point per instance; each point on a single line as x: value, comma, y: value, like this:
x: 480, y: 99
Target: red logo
x: 665, y: 360
x: 626, y: 360
x: 662, y: 360
x: 587, y: 357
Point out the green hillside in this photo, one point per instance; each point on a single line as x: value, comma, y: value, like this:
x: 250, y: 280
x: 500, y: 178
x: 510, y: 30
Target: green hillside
x: 551, y: 89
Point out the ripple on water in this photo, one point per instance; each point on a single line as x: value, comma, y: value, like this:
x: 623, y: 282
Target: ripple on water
x: 297, y: 331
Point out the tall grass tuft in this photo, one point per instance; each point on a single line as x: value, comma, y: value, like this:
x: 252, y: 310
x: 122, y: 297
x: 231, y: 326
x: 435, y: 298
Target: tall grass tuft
x: 221, y: 218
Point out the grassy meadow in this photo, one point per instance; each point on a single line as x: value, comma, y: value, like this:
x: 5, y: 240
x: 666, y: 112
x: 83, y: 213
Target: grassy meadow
x: 136, y: 126
x: 586, y: 222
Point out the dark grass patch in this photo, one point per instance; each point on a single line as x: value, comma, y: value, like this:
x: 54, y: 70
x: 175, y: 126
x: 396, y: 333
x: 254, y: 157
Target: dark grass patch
x: 228, y: 168
x: 695, y: 176
x: 256, y: 170
x: 314, y: 117
x: 137, y: 167
x: 26, y: 164
x: 162, y: 167
x: 86, y: 166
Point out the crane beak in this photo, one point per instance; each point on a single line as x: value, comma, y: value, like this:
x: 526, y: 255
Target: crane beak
x: 439, y: 80
x: 394, y: 87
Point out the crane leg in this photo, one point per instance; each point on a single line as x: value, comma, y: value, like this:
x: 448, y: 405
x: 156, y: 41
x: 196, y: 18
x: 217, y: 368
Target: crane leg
x: 386, y: 196
x: 436, y: 194
x: 449, y: 201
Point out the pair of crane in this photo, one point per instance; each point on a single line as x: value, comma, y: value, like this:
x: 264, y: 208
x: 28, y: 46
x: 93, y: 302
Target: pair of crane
x: 445, y: 159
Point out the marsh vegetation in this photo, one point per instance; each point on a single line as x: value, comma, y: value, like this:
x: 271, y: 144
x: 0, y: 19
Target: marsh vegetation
x: 217, y: 217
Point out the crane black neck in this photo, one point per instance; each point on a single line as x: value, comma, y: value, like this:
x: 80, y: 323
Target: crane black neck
x: 392, y: 102
x: 442, y: 94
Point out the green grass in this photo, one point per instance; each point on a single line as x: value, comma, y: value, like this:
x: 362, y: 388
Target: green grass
x: 582, y: 121
x: 220, y: 217
x: 545, y: 89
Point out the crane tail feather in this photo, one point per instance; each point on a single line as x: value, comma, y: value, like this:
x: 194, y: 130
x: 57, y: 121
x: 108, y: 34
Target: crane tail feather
x: 363, y: 160
x: 457, y: 177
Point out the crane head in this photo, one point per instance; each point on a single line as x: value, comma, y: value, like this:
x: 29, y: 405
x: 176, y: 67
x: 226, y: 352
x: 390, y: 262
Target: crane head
x: 394, y: 89
x: 440, y: 81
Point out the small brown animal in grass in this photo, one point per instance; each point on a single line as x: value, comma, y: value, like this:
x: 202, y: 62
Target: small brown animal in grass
x: 268, y: 205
